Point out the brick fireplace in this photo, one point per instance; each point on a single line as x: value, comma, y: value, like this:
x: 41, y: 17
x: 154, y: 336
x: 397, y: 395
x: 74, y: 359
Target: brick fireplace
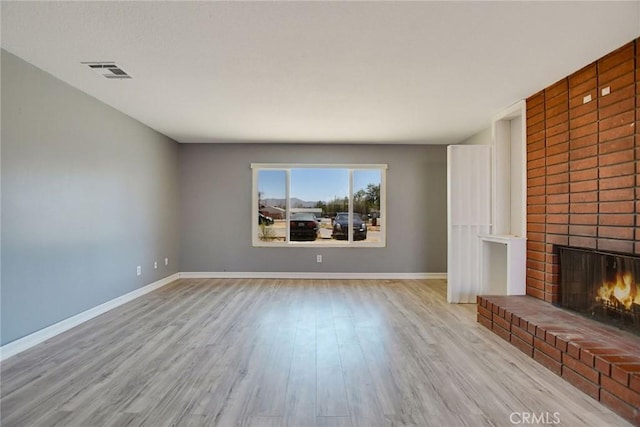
x: 582, y: 167
x: 583, y: 192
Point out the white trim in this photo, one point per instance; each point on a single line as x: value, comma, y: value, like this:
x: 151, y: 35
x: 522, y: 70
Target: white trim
x: 320, y: 165
x: 25, y: 343
x: 322, y: 244
x: 22, y: 344
x: 306, y: 275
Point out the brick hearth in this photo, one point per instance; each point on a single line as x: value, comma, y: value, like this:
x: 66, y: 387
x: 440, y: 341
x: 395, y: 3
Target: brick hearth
x: 600, y: 360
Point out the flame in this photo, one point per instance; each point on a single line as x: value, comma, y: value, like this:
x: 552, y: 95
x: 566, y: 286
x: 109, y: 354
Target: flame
x: 623, y: 290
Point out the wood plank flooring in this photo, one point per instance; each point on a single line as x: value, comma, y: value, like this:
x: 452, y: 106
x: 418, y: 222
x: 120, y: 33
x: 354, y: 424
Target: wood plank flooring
x: 304, y: 353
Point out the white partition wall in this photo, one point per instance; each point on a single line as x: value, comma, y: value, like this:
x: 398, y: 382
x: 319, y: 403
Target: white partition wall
x: 504, y: 250
x: 469, y: 215
x: 509, y: 172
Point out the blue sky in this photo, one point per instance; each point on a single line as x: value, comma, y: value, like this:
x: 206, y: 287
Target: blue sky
x: 313, y: 184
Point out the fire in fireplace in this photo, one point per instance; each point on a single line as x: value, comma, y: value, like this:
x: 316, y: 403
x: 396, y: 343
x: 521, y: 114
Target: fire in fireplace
x: 621, y: 293
x: 604, y: 286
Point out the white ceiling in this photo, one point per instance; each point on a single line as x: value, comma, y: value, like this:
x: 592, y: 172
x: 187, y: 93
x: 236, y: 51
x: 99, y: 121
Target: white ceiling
x: 343, y: 72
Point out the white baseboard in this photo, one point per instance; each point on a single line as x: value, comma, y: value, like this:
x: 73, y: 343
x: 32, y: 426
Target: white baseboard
x: 306, y: 275
x: 42, y: 335
x: 22, y: 344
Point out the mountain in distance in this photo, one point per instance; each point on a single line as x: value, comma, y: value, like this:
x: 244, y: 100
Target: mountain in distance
x: 295, y: 203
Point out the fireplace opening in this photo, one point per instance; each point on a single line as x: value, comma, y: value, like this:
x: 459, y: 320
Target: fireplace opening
x: 603, y: 286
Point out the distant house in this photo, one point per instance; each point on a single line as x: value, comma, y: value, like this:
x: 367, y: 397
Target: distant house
x: 273, y: 212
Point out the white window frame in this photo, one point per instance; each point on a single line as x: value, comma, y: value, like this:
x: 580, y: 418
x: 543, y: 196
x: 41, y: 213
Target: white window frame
x: 287, y: 167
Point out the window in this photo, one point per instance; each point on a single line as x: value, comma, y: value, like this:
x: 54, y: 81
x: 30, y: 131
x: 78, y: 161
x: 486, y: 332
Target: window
x: 318, y: 205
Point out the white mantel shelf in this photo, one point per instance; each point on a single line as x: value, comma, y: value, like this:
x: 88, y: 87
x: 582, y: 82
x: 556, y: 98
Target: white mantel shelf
x: 503, y: 272
x: 500, y: 238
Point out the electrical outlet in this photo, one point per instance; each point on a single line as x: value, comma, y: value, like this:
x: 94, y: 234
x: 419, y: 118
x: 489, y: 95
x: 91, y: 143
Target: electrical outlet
x: 318, y: 258
x: 155, y: 265
x: 166, y: 261
x: 138, y: 270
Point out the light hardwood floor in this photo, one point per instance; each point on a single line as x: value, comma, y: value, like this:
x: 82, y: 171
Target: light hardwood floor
x: 263, y: 352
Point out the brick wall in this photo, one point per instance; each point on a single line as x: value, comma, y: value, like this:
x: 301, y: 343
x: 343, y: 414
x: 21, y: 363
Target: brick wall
x: 583, y: 166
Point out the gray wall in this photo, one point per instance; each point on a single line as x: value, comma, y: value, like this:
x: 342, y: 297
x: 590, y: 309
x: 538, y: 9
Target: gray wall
x: 215, y: 193
x: 87, y: 195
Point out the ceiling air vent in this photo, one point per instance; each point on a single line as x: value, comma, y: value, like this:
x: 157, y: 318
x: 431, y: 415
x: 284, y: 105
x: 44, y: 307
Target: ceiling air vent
x: 108, y: 69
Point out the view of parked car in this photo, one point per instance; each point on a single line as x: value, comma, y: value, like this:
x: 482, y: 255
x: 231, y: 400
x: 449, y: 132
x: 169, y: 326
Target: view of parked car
x: 263, y: 219
x: 303, y: 226
x: 341, y: 230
